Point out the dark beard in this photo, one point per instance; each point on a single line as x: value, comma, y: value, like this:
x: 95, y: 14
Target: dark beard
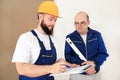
x: 45, y: 28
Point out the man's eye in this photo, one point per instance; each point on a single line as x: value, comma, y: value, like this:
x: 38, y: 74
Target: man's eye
x: 50, y: 19
x: 82, y: 22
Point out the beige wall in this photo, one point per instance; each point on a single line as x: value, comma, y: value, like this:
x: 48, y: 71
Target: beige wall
x: 16, y: 17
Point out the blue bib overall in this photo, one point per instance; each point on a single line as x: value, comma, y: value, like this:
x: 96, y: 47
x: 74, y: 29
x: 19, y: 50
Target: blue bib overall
x: 46, y: 57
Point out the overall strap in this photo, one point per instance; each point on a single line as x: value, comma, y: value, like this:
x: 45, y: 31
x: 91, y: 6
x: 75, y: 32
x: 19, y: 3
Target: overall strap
x: 51, y: 43
x: 35, y: 34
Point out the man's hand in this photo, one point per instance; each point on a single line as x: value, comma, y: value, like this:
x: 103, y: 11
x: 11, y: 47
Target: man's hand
x: 68, y: 64
x: 58, y: 67
x: 92, y: 70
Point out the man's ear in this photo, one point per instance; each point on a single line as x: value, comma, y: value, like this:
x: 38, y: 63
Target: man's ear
x: 40, y: 17
x: 88, y: 22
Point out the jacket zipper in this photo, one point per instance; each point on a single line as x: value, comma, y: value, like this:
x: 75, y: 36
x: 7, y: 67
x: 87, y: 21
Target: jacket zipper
x: 86, y: 46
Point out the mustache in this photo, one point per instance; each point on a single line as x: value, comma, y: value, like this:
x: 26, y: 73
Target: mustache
x: 51, y: 26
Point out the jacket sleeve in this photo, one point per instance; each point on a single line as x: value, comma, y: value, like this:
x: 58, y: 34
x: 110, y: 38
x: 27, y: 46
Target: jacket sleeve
x: 102, y: 52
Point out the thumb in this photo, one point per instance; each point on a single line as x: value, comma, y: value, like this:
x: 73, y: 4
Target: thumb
x: 84, y: 63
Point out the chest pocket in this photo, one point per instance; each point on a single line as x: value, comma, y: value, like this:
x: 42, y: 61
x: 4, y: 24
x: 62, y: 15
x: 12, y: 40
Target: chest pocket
x: 47, y: 58
x: 92, y: 40
x: 77, y: 42
x: 93, y: 45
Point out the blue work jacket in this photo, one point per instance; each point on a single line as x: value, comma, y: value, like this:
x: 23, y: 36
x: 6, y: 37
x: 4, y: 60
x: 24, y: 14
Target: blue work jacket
x: 94, y: 50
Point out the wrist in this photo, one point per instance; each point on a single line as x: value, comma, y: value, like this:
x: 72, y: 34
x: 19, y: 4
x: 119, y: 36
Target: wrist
x: 50, y: 69
x: 94, y: 64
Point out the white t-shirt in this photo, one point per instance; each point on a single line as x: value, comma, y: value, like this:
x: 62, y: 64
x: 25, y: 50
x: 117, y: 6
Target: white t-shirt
x: 84, y: 38
x: 27, y: 48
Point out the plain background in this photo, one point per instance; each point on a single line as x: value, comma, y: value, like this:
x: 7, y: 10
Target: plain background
x: 105, y: 17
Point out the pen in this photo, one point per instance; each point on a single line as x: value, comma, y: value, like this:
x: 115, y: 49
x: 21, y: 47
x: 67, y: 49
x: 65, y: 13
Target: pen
x: 68, y: 66
x: 86, y: 68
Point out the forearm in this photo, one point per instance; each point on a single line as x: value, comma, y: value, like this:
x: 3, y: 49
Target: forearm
x: 31, y: 70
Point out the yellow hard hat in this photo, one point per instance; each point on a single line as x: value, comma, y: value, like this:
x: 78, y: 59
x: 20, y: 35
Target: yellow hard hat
x: 48, y: 7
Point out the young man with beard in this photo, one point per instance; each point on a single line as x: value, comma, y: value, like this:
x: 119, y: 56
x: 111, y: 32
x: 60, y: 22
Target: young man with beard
x: 35, y: 53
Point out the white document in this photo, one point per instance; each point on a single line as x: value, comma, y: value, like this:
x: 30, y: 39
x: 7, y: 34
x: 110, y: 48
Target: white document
x: 75, y: 49
x: 76, y: 70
